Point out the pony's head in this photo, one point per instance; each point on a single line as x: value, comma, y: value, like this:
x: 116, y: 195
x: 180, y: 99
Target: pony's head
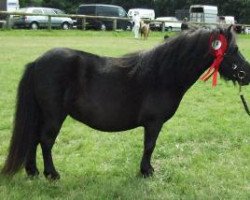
x: 234, y: 66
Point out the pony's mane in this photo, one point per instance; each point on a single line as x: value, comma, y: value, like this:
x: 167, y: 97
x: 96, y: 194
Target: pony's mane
x: 167, y: 54
x: 179, y: 53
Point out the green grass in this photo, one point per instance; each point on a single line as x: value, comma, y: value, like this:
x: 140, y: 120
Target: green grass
x: 203, y: 152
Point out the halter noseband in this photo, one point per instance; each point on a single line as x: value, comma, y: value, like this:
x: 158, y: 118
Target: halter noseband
x: 238, y: 72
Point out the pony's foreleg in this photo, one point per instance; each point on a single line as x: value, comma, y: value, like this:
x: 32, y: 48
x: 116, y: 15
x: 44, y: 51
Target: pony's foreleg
x: 151, y: 132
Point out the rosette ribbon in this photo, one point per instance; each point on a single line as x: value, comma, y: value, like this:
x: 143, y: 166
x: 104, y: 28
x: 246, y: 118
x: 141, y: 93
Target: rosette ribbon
x: 218, y: 46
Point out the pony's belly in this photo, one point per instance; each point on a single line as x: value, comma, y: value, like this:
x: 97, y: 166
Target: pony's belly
x: 109, y: 120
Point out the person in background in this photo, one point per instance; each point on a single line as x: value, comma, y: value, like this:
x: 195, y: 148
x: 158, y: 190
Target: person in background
x: 184, y: 24
x: 136, y: 21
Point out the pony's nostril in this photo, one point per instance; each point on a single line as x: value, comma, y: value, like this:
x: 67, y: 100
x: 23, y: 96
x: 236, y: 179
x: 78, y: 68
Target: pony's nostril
x: 241, y: 75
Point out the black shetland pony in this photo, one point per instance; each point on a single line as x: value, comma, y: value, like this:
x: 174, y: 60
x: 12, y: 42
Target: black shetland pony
x: 111, y: 94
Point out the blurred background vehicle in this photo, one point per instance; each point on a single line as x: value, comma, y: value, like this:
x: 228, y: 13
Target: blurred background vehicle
x: 36, y: 22
x: 105, y: 10
x: 207, y: 15
x: 229, y: 20
x: 171, y: 24
x: 7, y: 5
x: 148, y: 14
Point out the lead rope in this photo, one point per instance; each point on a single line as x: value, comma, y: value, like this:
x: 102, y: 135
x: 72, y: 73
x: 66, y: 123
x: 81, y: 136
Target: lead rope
x: 244, y: 101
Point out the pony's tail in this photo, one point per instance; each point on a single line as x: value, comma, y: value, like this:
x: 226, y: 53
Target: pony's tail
x: 25, y: 123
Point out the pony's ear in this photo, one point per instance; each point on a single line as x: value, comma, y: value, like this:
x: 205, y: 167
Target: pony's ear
x: 230, y: 29
x: 230, y: 32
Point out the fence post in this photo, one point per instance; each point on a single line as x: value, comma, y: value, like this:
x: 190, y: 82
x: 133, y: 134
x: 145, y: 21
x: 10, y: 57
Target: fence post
x: 163, y: 27
x: 8, y: 22
x: 49, y: 22
x: 84, y: 23
x: 114, y: 24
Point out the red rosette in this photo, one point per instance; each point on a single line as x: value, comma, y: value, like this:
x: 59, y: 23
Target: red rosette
x: 218, y: 46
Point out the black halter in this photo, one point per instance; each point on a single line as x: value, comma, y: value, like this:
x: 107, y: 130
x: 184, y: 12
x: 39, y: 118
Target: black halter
x: 241, y: 94
x: 245, y: 104
x: 240, y: 74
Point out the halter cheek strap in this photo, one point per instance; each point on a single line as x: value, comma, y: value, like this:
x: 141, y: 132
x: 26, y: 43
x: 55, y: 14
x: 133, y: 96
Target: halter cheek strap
x: 218, y: 46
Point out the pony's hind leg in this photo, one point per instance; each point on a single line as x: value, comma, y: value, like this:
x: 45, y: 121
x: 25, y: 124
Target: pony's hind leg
x: 30, y: 164
x: 49, y: 133
x: 30, y: 161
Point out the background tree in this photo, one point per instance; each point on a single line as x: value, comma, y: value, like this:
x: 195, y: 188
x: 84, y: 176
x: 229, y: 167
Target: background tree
x: 24, y: 3
x: 238, y: 8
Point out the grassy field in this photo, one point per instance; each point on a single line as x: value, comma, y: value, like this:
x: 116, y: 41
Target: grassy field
x: 203, y: 152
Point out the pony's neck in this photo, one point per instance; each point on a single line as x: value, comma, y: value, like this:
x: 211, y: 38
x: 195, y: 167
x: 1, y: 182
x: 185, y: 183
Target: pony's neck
x: 186, y: 58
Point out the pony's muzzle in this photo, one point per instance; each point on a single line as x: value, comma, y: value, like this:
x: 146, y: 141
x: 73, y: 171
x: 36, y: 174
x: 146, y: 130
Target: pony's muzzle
x: 241, y: 75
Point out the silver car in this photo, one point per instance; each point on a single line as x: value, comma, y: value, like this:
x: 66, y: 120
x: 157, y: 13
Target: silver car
x: 36, y: 22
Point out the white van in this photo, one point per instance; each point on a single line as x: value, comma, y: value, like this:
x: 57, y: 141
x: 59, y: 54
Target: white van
x: 9, y: 5
x: 143, y: 13
x: 203, y: 14
x: 226, y: 20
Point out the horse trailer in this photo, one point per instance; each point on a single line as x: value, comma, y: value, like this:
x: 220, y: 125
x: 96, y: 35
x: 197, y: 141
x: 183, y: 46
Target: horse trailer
x: 9, y: 5
x: 203, y: 14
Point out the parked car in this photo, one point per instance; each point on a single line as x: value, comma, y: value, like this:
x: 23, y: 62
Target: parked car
x: 35, y: 22
x: 171, y: 24
x: 105, y: 10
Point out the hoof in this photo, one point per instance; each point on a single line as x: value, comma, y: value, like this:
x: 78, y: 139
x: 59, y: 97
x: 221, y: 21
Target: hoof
x: 147, y: 172
x: 32, y: 172
x: 52, y: 175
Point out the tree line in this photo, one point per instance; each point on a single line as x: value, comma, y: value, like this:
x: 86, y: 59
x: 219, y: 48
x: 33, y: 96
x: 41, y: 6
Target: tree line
x: 238, y: 8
